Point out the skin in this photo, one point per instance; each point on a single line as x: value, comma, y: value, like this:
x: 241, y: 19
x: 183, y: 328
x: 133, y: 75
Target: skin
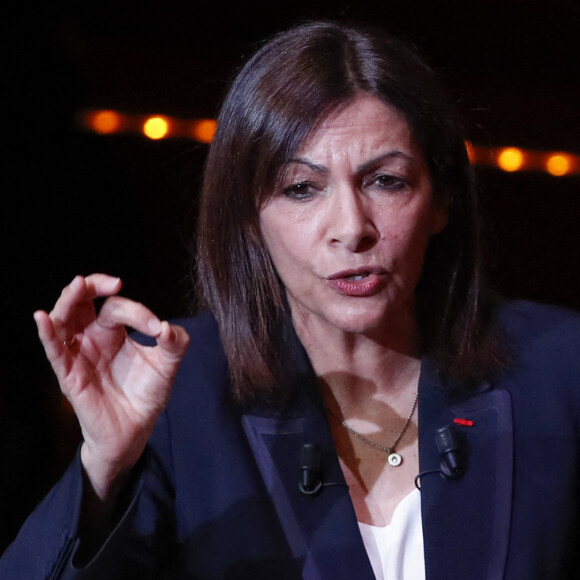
x: 357, y: 196
x: 347, y: 231
x: 117, y: 387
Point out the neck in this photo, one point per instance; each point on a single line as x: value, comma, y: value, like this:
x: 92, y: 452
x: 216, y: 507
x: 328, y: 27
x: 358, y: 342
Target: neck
x: 357, y: 371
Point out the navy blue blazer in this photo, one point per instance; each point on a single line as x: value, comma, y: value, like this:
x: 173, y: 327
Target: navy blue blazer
x: 218, y: 497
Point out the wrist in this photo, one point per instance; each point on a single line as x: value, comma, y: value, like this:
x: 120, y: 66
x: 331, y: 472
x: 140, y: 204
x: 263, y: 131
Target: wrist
x: 105, y: 478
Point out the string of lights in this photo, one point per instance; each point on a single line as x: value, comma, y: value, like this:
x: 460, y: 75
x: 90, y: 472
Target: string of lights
x: 510, y: 159
x: 108, y: 122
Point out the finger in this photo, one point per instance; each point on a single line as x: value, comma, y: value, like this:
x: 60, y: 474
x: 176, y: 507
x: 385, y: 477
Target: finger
x: 82, y: 290
x: 173, y: 341
x: 54, y: 348
x: 102, y: 285
x: 117, y: 311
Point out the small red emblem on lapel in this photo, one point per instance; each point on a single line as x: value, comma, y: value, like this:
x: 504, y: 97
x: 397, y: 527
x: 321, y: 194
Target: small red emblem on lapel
x: 463, y: 422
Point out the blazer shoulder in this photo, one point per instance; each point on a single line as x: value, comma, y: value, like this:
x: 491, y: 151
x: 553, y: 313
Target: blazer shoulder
x: 543, y: 342
x: 205, y: 358
x: 529, y: 323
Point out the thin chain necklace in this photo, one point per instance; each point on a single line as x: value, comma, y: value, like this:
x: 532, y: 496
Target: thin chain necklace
x: 394, y: 459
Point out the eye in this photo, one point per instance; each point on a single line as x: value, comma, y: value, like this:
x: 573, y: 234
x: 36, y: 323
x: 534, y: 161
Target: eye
x: 386, y: 182
x: 299, y: 191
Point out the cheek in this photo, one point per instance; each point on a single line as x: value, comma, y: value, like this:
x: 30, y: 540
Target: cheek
x: 406, y: 228
x: 285, y: 249
x: 289, y: 236
x: 406, y: 242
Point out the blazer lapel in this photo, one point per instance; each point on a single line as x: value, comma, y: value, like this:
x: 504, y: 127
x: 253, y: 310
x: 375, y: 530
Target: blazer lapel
x: 321, y: 529
x: 466, y: 520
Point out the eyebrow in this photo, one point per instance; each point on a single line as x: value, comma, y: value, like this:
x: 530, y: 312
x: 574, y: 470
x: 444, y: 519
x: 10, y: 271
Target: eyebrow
x: 389, y: 155
x: 360, y: 169
x: 314, y: 166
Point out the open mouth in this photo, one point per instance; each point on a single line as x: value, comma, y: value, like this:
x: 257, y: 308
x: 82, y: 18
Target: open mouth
x: 357, y: 277
x: 358, y: 282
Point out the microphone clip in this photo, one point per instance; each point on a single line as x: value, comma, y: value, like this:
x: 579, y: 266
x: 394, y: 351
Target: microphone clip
x: 449, y: 447
x: 310, y: 480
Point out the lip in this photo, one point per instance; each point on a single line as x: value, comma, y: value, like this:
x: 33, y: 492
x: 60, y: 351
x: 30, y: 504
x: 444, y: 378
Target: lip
x: 372, y: 282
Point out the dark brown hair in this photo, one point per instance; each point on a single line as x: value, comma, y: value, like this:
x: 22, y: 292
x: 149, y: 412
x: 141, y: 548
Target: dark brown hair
x: 276, y: 100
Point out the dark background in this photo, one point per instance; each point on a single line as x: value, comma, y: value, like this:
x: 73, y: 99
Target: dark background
x: 75, y: 202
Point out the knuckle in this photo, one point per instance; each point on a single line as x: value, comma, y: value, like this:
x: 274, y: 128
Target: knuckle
x: 109, y: 309
x: 113, y: 302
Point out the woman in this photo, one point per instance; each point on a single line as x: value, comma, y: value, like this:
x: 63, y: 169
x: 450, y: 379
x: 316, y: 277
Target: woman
x: 349, y: 360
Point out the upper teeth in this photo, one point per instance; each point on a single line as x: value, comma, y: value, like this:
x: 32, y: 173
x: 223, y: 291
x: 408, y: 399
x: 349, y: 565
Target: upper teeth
x: 357, y: 277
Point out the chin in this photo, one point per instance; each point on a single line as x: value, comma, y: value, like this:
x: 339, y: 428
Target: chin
x: 374, y: 318
x: 364, y: 327
x: 360, y: 322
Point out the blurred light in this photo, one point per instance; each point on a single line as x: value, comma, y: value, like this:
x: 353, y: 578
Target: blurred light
x: 558, y: 164
x: 155, y: 128
x: 470, y: 152
x: 510, y: 159
x: 203, y: 131
x: 105, y: 122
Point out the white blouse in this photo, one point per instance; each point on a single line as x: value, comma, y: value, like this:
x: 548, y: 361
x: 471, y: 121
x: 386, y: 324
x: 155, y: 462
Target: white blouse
x: 396, y: 550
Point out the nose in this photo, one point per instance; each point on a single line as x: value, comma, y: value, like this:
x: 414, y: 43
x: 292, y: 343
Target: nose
x: 350, y: 221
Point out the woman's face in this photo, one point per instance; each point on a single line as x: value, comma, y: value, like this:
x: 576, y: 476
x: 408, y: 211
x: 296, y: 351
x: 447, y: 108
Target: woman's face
x: 348, y: 227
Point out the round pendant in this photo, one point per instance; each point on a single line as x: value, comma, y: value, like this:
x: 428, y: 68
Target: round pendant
x: 394, y: 459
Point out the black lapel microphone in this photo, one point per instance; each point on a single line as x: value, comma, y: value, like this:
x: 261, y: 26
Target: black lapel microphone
x: 310, y: 473
x: 450, y: 452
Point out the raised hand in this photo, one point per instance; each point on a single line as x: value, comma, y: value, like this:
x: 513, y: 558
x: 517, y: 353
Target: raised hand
x: 117, y: 387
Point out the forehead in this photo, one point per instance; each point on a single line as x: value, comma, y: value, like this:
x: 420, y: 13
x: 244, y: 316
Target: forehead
x: 364, y: 125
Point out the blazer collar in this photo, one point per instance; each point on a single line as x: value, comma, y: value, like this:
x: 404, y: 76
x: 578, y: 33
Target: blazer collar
x: 465, y: 521
x: 321, y: 529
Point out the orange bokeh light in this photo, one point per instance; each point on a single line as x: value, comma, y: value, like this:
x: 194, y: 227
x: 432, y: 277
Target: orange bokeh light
x: 156, y: 127
x: 558, y: 164
x: 105, y: 122
x: 470, y: 152
x: 204, y: 130
x: 510, y: 159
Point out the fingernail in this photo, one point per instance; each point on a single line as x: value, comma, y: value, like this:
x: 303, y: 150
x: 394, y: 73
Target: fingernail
x: 154, y: 326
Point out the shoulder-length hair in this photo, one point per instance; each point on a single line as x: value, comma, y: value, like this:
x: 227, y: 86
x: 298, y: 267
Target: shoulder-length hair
x: 278, y: 98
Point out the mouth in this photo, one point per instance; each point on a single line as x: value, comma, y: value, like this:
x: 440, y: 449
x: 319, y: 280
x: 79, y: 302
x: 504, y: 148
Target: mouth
x: 356, y: 277
x: 358, y: 282
x: 357, y: 274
